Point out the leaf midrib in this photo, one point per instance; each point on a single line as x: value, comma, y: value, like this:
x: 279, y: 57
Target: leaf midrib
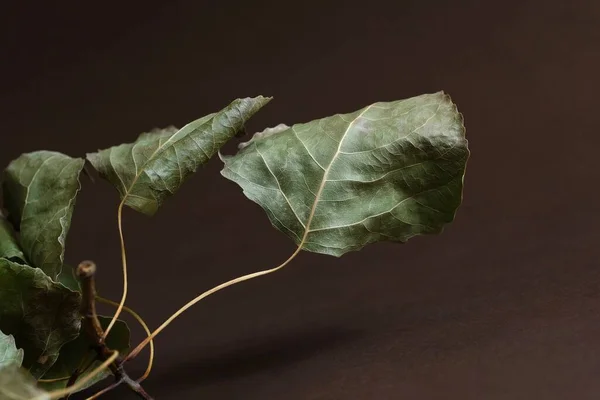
x: 33, y: 178
x: 327, y: 170
x: 143, y: 166
x: 326, y: 173
x: 153, y: 155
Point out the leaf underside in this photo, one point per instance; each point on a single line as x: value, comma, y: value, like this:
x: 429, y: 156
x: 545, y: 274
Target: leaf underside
x: 9, y: 353
x: 42, y: 314
x: 17, y: 384
x: 39, y: 191
x: 153, y: 168
x: 387, y: 172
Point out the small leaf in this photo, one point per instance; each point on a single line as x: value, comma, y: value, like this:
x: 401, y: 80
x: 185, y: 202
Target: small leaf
x: 9, y: 354
x: 9, y: 247
x: 73, y: 352
x: 387, y: 172
x: 152, y: 168
x: 39, y: 193
x: 17, y: 384
x: 41, y: 314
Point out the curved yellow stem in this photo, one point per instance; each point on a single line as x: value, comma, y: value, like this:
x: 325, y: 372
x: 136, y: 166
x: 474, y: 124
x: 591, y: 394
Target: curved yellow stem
x: 124, y: 262
x: 105, y: 390
x: 243, y: 278
x: 143, y: 324
x: 64, y: 378
x: 57, y: 394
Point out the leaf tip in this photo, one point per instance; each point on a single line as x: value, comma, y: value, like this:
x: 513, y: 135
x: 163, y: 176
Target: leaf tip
x: 264, y: 134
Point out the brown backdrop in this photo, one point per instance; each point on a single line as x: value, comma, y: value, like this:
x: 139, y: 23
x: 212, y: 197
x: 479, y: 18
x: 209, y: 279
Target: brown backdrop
x: 503, y: 305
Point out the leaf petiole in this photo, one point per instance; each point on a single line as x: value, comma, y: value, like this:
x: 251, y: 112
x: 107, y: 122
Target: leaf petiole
x: 204, y: 295
x: 143, y: 324
x: 124, y: 263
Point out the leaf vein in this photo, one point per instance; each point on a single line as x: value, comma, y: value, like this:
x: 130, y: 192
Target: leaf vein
x: 280, y: 189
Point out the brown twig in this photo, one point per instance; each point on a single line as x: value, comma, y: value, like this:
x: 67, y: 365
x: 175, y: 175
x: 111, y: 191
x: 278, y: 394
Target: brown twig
x: 91, y: 325
x: 80, y: 370
x: 86, y: 272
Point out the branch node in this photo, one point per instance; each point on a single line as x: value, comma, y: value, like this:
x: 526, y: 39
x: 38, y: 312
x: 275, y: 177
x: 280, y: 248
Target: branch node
x: 85, y: 272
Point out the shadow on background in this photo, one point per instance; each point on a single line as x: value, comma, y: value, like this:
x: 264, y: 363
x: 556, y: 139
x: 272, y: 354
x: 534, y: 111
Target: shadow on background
x: 272, y: 353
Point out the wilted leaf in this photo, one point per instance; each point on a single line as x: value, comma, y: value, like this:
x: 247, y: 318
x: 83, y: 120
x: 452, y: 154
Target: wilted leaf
x: 17, y: 384
x: 152, y: 168
x: 73, y: 352
x: 42, y: 314
x: 39, y: 193
x: 389, y: 171
x: 9, y: 354
x: 9, y: 247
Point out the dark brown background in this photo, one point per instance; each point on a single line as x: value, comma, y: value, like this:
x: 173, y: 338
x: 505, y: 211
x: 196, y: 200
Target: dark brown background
x: 504, y: 305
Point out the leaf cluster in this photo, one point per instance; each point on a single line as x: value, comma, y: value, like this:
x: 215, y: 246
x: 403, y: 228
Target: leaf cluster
x: 386, y: 172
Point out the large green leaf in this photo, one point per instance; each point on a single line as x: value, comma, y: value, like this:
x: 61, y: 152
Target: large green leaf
x: 9, y: 247
x: 73, y: 352
x: 9, y: 354
x: 152, y: 168
x: 17, y: 384
x: 389, y: 171
x: 42, y: 314
x: 39, y: 193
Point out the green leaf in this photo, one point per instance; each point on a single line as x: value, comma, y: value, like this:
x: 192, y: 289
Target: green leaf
x: 68, y: 279
x: 9, y: 247
x: 9, y: 354
x: 42, y: 314
x: 39, y: 193
x: 17, y: 384
x: 152, y: 168
x: 387, y: 172
x: 73, y: 352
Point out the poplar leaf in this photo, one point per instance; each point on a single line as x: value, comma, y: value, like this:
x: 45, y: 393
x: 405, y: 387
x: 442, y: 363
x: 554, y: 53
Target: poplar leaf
x: 387, y: 172
x: 153, y: 168
x: 9, y: 353
x: 40, y: 313
x: 39, y: 191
